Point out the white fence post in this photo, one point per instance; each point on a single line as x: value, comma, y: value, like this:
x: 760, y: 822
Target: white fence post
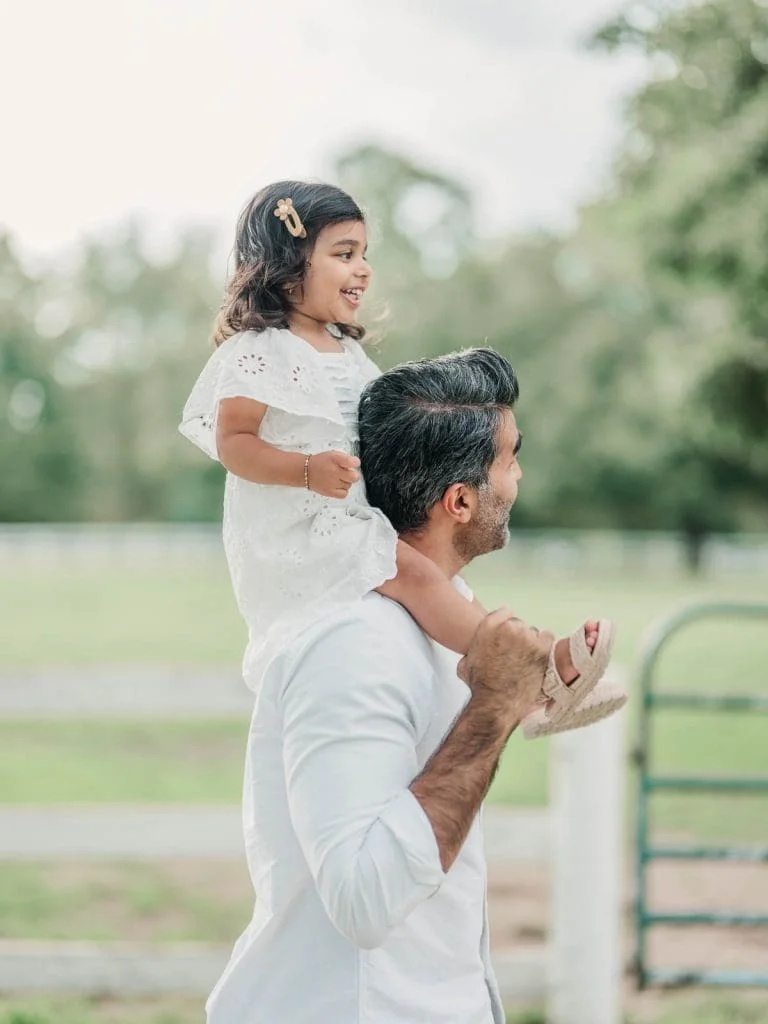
x: 588, y: 785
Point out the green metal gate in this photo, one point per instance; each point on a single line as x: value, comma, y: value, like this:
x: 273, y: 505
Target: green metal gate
x: 650, y: 783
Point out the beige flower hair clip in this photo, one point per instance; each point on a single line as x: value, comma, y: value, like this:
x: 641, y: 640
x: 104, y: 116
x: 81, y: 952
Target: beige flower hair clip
x: 286, y: 211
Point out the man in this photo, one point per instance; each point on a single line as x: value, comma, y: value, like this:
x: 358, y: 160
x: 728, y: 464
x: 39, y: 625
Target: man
x: 368, y: 759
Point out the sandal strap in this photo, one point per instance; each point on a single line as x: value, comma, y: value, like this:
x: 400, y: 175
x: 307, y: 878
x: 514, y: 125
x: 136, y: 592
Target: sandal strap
x: 591, y: 665
x: 553, y: 686
x: 581, y: 656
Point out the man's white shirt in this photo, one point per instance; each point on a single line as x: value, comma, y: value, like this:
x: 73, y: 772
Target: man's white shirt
x: 355, y: 921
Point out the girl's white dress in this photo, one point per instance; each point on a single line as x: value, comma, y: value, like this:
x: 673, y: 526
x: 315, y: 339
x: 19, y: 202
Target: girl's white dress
x: 294, y: 556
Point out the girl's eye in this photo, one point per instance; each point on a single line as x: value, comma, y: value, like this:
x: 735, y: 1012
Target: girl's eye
x: 346, y: 256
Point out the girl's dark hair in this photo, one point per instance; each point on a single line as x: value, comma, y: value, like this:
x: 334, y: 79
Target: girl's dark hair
x: 268, y: 259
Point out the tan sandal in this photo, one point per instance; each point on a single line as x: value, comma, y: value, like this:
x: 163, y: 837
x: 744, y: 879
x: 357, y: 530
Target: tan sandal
x: 607, y: 698
x: 561, y: 700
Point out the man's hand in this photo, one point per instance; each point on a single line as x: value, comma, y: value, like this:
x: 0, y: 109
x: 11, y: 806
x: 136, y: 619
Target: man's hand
x: 333, y: 473
x: 505, y: 664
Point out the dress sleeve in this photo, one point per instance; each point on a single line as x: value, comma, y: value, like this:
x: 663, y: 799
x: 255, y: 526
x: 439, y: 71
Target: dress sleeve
x: 261, y: 366
x: 353, y: 710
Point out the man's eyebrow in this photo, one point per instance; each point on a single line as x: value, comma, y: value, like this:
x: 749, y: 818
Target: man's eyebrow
x: 518, y: 443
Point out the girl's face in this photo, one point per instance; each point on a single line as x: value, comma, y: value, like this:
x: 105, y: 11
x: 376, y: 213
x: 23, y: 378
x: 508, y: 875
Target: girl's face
x: 337, y: 274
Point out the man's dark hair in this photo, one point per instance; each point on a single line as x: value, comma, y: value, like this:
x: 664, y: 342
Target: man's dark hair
x: 427, y: 425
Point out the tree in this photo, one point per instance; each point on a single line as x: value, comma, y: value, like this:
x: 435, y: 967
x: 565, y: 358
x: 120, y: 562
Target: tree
x: 693, y: 187
x: 40, y: 463
x: 136, y: 339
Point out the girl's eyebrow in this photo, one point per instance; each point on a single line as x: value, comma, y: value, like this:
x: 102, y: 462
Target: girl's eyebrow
x: 347, y: 241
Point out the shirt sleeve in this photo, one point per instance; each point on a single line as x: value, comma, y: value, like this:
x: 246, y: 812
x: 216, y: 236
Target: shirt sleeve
x: 354, y: 707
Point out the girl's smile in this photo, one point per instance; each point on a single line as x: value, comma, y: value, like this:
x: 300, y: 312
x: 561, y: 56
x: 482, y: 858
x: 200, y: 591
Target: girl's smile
x: 337, y: 275
x: 353, y: 296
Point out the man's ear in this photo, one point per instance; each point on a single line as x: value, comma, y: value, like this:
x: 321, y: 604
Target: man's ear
x: 459, y: 502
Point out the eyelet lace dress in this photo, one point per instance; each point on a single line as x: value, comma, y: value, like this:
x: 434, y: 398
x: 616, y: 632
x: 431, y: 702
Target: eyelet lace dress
x: 293, y: 555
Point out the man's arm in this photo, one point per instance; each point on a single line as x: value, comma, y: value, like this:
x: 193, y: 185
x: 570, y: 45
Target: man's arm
x: 377, y: 835
x: 454, y: 783
x: 354, y: 707
x: 503, y: 668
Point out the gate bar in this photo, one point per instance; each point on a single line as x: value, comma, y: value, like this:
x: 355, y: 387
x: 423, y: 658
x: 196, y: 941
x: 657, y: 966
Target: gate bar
x: 739, y: 853
x: 713, y: 783
x: 657, y: 640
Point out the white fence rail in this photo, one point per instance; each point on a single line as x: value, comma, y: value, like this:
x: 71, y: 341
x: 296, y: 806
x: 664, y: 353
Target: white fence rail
x: 173, y: 831
x: 181, y: 543
x: 189, y: 968
x: 579, y: 835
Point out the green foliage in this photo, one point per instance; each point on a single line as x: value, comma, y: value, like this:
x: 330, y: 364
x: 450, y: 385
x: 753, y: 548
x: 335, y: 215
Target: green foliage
x: 96, y: 361
x: 640, y: 337
x: 693, y: 191
x: 38, y: 443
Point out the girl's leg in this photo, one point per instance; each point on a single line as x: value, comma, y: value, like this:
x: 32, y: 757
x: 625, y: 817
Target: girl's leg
x: 442, y: 612
x: 448, y: 617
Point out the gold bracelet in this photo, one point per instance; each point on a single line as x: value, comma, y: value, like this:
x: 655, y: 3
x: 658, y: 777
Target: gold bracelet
x: 306, y: 472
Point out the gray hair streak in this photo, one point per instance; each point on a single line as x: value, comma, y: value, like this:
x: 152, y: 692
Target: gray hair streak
x: 429, y: 424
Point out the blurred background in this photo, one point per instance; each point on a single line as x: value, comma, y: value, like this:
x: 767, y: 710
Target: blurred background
x: 580, y: 185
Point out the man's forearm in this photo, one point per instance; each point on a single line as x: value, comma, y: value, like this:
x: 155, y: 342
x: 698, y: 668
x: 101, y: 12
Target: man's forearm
x: 458, y: 775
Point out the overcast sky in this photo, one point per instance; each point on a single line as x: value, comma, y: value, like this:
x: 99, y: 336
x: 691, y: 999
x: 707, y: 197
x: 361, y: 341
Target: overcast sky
x: 180, y: 109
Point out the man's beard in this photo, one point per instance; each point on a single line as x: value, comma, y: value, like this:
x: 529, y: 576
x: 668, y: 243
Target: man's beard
x: 489, y: 528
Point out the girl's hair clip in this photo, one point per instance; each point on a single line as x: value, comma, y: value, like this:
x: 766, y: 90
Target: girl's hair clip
x: 286, y: 211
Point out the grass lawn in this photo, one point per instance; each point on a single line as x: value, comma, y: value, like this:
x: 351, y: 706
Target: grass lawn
x: 187, y: 617
x: 689, y: 1009
x: 99, y: 616
x: 170, y: 1010
x: 182, y: 900
x: 118, y: 614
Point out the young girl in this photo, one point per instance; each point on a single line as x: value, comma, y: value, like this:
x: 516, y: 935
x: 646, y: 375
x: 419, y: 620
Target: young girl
x: 277, y: 405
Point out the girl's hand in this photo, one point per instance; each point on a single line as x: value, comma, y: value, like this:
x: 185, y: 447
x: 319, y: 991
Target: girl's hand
x: 333, y: 473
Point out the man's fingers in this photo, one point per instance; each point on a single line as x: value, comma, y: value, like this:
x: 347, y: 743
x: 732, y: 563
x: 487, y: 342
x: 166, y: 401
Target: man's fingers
x: 497, y: 617
x: 497, y: 622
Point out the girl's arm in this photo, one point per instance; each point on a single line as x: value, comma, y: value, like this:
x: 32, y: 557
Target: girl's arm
x: 242, y: 452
